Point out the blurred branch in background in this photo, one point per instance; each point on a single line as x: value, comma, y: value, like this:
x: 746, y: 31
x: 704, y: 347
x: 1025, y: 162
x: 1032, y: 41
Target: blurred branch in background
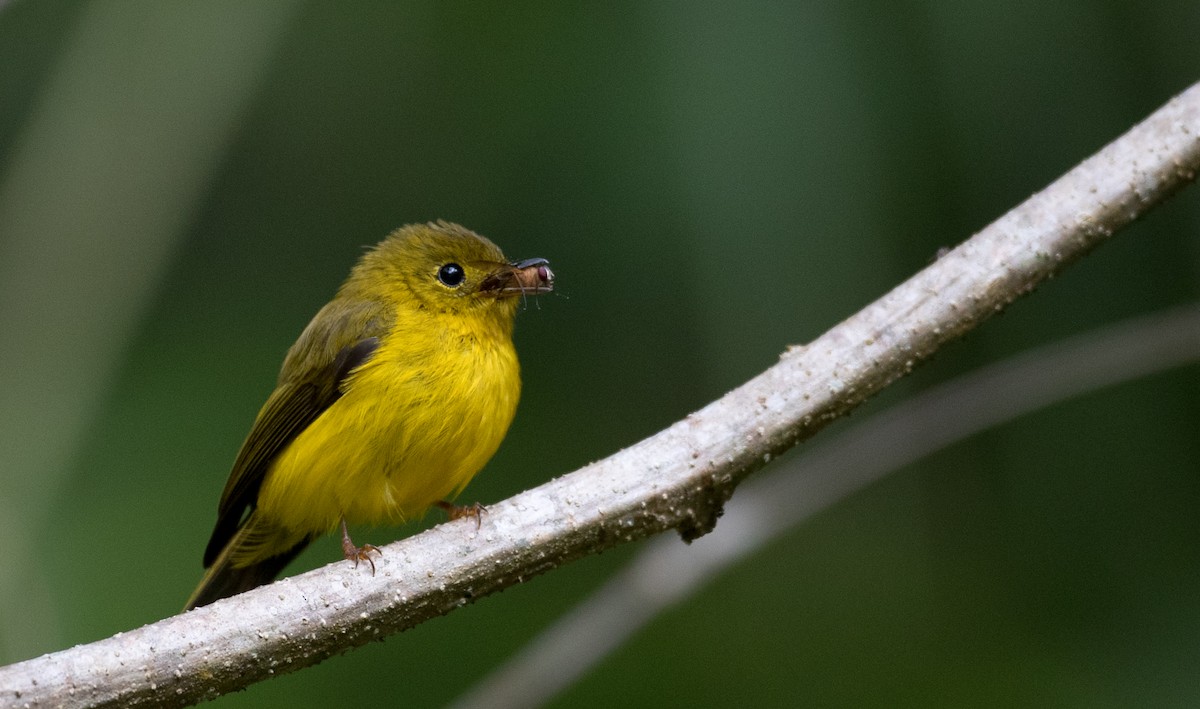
x: 770, y: 504
x: 677, y: 479
x: 99, y: 187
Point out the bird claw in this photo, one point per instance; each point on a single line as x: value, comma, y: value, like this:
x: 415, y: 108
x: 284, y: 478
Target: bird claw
x: 358, y: 553
x: 362, y: 553
x: 473, y: 510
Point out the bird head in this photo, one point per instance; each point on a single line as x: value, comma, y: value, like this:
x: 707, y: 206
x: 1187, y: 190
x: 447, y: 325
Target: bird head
x: 445, y: 268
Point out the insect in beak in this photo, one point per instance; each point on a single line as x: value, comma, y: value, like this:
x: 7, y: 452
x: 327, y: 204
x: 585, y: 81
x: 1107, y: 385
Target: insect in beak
x: 531, y: 276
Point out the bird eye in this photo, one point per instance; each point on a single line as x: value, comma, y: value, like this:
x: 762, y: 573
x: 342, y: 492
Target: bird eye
x: 451, y: 274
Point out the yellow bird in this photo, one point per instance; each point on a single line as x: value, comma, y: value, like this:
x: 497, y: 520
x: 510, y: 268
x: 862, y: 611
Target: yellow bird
x: 392, y: 399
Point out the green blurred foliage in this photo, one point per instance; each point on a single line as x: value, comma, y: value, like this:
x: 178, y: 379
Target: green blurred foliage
x: 712, y: 182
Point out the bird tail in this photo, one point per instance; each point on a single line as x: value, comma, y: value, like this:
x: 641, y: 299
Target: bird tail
x: 226, y: 578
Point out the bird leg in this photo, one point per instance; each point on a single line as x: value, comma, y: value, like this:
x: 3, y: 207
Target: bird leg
x: 453, y: 512
x: 357, y: 554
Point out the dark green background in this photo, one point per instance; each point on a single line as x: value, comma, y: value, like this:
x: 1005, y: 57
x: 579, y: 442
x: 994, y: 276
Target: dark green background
x: 712, y: 182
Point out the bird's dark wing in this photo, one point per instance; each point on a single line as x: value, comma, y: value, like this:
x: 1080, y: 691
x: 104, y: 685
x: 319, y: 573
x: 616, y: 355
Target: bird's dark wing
x: 340, y: 338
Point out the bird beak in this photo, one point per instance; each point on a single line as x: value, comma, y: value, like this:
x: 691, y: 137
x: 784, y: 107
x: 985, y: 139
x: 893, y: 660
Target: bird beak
x: 531, y: 276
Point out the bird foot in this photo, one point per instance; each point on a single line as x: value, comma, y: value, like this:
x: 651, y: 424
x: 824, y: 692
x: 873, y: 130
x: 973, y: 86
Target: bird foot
x: 453, y: 512
x: 358, y: 553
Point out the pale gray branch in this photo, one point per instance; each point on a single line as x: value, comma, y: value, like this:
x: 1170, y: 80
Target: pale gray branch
x: 677, y: 479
